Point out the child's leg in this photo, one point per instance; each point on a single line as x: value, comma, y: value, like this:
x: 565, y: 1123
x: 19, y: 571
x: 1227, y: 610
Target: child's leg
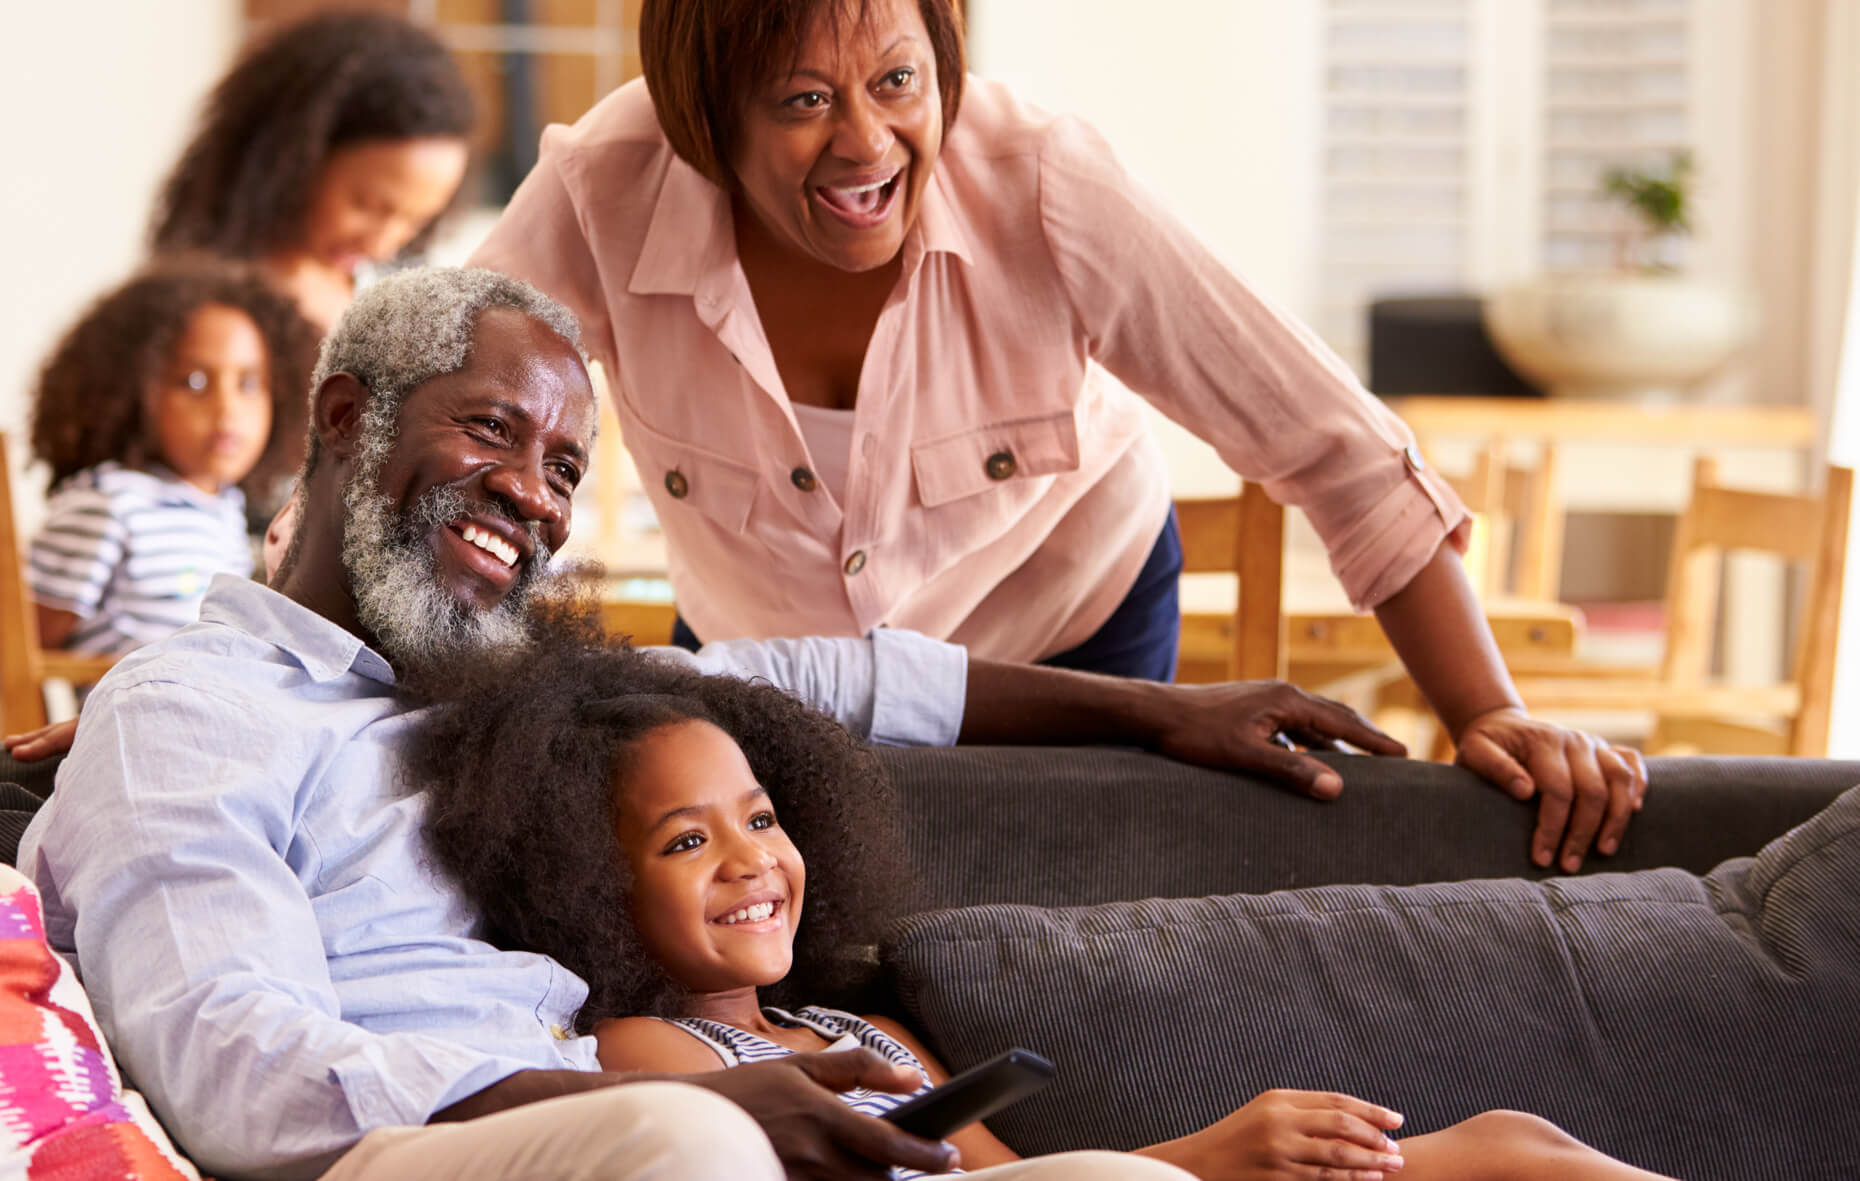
x: 1509, y: 1146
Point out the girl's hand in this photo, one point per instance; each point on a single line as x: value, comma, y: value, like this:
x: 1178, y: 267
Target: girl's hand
x: 42, y: 743
x: 1303, y: 1135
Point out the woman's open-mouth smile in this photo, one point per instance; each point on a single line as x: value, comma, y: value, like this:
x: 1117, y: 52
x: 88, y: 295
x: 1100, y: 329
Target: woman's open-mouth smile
x: 864, y: 203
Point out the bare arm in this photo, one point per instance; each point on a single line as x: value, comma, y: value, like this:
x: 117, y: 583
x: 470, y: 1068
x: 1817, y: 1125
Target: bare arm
x: 1234, y: 725
x: 55, y: 625
x: 980, y: 1147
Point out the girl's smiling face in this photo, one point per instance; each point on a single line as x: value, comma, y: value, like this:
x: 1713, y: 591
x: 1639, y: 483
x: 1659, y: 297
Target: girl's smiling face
x: 717, y: 885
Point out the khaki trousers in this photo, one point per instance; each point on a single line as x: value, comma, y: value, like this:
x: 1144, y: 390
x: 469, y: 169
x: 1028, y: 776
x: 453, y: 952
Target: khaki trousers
x: 641, y: 1132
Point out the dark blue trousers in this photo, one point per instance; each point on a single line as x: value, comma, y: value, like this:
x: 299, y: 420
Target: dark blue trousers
x: 1139, y: 640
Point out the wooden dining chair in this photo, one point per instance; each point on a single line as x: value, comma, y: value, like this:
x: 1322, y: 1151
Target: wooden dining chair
x: 1694, y: 710
x: 24, y: 665
x: 1243, y: 535
x: 1517, y: 544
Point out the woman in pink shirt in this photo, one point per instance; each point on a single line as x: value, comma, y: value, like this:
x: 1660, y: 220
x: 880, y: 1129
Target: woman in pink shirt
x: 855, y: 346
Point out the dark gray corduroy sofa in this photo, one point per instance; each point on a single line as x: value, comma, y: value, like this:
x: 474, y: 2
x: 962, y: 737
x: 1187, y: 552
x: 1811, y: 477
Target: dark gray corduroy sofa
x: 1703, y: 1026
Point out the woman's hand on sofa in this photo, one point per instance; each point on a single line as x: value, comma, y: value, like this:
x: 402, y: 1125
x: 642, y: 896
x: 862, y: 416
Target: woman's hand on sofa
x: 1588, y: 789
x: 1292, y: 1134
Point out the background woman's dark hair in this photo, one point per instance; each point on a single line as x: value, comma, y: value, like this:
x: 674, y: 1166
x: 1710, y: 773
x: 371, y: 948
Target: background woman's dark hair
x: 520, y: 768
x: 242, y: 188
x: 91, y: 396
x: 700, y: 56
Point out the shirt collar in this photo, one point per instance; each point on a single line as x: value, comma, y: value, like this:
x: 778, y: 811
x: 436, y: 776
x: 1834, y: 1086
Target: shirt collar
x: 325, y: 650
x: 691, y: 237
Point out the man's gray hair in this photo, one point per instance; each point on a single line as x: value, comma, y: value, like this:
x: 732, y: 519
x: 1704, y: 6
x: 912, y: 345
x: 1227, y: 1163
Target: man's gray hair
x: 417, y: 325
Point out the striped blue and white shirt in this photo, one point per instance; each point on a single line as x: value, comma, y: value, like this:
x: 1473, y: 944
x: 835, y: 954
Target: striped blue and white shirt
x: 130, y: 553
x: 842, y: 1030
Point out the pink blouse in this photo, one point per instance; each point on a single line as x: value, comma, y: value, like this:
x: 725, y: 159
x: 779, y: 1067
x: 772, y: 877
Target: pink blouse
x: 1000, y: 494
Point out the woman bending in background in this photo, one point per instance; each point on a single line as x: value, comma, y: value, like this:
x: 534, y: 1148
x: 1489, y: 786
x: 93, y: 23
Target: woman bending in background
x: 334, y: 141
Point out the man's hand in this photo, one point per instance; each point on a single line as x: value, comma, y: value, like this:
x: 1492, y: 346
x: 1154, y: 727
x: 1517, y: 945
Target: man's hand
x: 42, y: 743
x: 796, y: 1102
x: 1587, y: 789
x: 1256, y: 725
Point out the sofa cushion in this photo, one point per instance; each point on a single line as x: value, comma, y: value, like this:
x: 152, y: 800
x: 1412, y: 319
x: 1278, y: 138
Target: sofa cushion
x: 64, y: 1112
x: 1699, y: 1026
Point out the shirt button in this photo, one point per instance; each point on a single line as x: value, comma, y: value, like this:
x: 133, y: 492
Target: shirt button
x: 677, y: 485
x: 855, y: 563
x: 868, y: 445
x: 1000, y: 465
x: 1412, y: 453
x: 558, y: 1033
x: 803, y: 479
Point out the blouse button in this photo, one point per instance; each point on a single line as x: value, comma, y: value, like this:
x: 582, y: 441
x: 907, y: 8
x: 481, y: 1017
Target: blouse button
x: 558, y: 1033
x: 1412, y: 453
x: 855, y: 563
x: 803, y: 479
x: 677, y: 485
x: 1000, y: 465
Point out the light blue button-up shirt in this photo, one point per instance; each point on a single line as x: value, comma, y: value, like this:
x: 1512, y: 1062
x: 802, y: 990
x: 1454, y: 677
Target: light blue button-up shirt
x: 242, y: 883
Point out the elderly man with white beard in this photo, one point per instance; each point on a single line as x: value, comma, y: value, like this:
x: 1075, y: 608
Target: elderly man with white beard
x: 232, y: 866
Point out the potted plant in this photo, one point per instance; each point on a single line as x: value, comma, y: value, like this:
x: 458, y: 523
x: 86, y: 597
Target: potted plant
x: 1660, y: 199
x: 1645, y: 331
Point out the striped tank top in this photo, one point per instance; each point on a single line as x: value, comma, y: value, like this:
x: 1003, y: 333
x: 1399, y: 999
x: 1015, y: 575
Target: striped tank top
x: 843, y: 1031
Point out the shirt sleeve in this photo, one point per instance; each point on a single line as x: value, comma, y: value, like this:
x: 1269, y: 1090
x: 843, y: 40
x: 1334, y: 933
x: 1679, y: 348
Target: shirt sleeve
x: 1176, y: 325
x: 539, y: 239
x: 894, y: 687
x: 76, y: 551
x: 166, y: 861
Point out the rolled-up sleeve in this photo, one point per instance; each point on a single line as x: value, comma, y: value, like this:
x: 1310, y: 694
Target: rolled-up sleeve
x: 167, y: 861
x: 893, y: 687
x: 1175, y: 324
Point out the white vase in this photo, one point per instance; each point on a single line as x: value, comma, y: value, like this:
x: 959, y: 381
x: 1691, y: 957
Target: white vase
x: 1632, y: 336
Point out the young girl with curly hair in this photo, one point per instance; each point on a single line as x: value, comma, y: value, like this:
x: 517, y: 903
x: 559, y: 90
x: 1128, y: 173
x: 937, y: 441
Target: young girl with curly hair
x: 335, y: 140
x: 168, y: 394
x: 664, y: 841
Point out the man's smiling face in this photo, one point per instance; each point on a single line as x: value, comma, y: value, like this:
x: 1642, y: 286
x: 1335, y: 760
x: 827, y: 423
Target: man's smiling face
x: 456, y: 506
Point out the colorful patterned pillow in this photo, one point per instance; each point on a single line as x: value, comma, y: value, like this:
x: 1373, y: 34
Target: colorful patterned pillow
x: 64, y: 1115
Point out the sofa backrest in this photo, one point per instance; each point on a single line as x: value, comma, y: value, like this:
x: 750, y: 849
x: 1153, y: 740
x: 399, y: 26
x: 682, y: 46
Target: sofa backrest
x: 1074, y: 827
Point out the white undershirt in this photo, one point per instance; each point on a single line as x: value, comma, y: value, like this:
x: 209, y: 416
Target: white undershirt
x: 828, y: 435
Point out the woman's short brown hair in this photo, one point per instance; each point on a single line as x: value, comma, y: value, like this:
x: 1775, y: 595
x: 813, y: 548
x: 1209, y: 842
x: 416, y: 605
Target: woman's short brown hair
x: 699, y: 55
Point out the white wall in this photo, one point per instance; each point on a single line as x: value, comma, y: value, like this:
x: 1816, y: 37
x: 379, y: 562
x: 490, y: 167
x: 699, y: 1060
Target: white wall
x: 96, y: 100
x: 1212, y: 104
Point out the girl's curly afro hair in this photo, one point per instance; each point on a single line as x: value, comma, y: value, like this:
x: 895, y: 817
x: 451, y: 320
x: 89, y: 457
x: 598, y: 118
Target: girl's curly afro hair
x: 89, y: 403
x: 242, y: 188
x: 521, y: 762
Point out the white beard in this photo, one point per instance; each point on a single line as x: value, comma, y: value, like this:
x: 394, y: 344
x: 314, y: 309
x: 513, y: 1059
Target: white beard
x: 394, y: 576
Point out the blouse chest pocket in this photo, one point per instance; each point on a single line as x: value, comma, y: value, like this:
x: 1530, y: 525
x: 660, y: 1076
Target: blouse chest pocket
x: 684, y: 477
x: 994, y: 456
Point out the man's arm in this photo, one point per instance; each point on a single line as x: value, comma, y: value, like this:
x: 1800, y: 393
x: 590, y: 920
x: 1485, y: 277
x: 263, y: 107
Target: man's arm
x: 899, y: 687
x: 795, y: 1100
x: 162, y: 860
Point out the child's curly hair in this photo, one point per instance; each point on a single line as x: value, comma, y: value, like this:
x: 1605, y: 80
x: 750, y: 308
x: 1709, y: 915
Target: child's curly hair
x: 89, y: 404
x: 242, y: 188
x: 521, y: 767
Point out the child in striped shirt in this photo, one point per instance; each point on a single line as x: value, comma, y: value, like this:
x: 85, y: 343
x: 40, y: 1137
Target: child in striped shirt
x: 639, y: 846
x: 168, y: 394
